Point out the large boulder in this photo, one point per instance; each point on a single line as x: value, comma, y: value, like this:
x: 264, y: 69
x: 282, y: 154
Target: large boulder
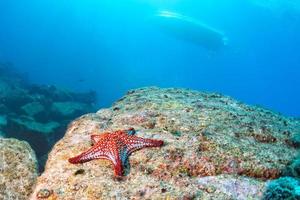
x: 18, y: 169
x: 215, y: 148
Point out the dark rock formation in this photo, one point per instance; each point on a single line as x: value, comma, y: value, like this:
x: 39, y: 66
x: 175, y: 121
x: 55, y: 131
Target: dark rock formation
x: 38, y: 114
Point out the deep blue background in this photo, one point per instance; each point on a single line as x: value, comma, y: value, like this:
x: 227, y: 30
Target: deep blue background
x: 110, y: 46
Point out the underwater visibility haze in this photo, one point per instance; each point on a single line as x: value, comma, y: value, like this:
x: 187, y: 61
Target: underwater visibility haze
x: 212, y: 86
x: 246, y: 49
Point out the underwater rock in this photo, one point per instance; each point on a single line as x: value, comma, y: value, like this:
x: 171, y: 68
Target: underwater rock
x: 2, y: 134
x: 39, y: 135
x: 234, y: 187
x: 3, y: 123
x: 33, y: 108
x: 18, y: 169
x: 12, y: 96
x: 282, y: 188
x: 29, y: 124
x: 69, y: 109
x: 215, y: 148
x: 190, y: 29
x: 3, y: 120
x: 62, y: 95
x: 38, y: 114
x: 293, y: 170
x: 295, y: 140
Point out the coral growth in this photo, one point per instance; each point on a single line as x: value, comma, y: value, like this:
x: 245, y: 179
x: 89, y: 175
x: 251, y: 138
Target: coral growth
x: 283, y: 188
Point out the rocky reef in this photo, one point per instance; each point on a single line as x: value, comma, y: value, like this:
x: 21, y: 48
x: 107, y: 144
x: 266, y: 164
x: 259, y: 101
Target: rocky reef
x: 38, y: 114
x: 214, y: 148
x: 18, y: 169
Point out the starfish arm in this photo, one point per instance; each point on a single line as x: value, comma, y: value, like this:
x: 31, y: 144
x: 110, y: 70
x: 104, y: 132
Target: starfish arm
x: 135, y: 143
x: 118, y: 155
x: 97, y: 137
x: 117, y: 161
x: 93, y: 153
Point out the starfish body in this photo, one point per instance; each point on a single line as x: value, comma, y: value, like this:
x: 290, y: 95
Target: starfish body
x: 115, y: 147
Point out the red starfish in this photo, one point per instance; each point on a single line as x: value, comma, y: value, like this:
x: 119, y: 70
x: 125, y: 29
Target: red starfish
x: 116, y: 147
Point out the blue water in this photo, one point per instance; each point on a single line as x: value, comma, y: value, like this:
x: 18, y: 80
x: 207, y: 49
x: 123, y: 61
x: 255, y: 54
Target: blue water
x: 111, y: 46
